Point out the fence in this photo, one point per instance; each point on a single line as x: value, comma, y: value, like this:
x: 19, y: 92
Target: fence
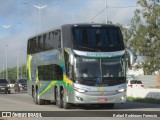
x: 148, y: 80
x: 143, y: 93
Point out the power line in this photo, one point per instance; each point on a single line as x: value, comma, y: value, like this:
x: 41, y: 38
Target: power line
x: 97, y: 14
x: 123, y: 7
x: 110, y: 7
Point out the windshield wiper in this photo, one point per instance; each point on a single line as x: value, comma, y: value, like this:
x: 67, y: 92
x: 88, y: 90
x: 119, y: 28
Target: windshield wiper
x: 88, y: 48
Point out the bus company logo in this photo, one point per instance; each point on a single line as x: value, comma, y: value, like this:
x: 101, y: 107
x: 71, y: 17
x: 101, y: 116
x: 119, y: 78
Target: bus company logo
x: 6, y: 114
x: 101, y: 90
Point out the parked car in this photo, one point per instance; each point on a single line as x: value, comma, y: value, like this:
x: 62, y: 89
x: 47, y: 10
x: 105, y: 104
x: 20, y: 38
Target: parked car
x: 4, y: 86
x: 20, y: 85
x: 135, y: 84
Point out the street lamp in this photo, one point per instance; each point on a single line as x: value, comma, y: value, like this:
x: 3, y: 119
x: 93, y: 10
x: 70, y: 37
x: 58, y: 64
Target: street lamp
x: 106, y: 11
x: 40, y: 8
x: 6, y: 26
x: 7, y: 64
x: 17, y: 68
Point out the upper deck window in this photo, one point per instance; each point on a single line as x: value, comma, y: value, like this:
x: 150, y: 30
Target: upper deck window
x: 97, y: 38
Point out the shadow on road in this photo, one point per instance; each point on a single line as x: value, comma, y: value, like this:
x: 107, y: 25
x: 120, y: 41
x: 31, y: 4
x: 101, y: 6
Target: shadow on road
x: 127, y: 105
x: 118, y: 106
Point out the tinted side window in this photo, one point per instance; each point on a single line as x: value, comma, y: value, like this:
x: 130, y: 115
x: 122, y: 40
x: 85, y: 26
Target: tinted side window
x: 47, y: 41
x: 56, y: 39
x: 32, y: 45
x: 133, y: 82
x: 3, y: 81
x: 139, y: 82
x: 66, y: 58
x: 53, y: 40
x: 28, y: 47
x: 50, y: 72
x: 40, y: 44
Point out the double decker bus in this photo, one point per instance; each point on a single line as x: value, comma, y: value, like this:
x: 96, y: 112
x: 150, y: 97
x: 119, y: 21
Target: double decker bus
x: 78, y: 64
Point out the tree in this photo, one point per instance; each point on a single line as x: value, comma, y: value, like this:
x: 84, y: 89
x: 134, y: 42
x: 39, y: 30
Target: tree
x: 12, y: 73
x: 144, y: 34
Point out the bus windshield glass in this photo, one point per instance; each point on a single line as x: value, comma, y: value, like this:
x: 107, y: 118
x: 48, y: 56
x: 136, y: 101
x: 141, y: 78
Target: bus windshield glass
x: 97, y: 39
x: 95, y: 71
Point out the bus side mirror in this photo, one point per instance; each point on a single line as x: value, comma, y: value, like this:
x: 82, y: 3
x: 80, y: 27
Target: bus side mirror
x: 131, y: 58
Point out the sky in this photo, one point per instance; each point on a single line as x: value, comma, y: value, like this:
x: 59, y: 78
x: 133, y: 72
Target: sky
x: 26, y: 20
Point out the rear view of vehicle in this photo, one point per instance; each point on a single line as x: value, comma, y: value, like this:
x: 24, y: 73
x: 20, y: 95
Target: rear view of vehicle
x: 135, y: 84
x: 4, y: 86
x: 21, y: 85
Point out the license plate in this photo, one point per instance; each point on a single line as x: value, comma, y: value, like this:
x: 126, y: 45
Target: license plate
x: 102, y: 100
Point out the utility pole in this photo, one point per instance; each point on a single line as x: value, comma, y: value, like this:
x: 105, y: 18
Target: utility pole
x: 106, y: 6
x: 3, y: 71
x: 17, y: 68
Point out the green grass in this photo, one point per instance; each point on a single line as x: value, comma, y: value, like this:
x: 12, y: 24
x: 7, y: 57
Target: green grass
x: 158, y: 87
x: 144, y: 100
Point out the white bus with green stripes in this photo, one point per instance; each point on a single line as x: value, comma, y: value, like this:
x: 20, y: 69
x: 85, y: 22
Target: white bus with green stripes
x: 78, y: 64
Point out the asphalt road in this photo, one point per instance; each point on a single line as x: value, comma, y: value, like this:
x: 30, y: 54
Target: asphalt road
x: 22, y: 102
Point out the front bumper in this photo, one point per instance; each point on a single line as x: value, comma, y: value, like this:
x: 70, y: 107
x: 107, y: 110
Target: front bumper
x: 82, y: 98
x: 4, y: 89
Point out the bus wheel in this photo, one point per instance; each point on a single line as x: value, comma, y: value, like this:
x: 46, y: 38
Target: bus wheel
x: 35, y: 97
x: 58, y: 101
x: 40, y: 101
x: 65, y: 104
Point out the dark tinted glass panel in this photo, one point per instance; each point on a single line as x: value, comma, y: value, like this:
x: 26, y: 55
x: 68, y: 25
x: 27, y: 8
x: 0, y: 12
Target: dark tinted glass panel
x: 50, y: 72
x: 49, y: 41
x: 23, y: 81
x: 32, y: 45
x: 3, y: 81
x: 66, y: 57
x: 139, y: 82
x: 40, y: 44
x: 101, y: 39
x: 133, y: 82
x: 44, y: 42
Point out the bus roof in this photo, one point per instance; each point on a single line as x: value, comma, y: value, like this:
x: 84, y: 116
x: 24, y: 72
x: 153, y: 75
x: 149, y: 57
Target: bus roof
x: 76, y: 25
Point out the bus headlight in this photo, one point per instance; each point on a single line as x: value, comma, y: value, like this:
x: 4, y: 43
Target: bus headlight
x: 121, y: 90
x: 80, y: 90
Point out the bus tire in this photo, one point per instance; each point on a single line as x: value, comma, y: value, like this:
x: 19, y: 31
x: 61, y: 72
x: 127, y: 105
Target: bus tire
x: 58, y: 99
x: 65, y: 104
x: 35, y: 96
x: 40, y: 101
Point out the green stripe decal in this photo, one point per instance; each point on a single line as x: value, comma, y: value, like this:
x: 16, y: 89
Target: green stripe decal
x: 52, y: 84
x: 44, y: 87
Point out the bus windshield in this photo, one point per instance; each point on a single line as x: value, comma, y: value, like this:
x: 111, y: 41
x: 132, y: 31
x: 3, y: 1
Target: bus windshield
x: 94, y: 38
x: 99, y: 70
